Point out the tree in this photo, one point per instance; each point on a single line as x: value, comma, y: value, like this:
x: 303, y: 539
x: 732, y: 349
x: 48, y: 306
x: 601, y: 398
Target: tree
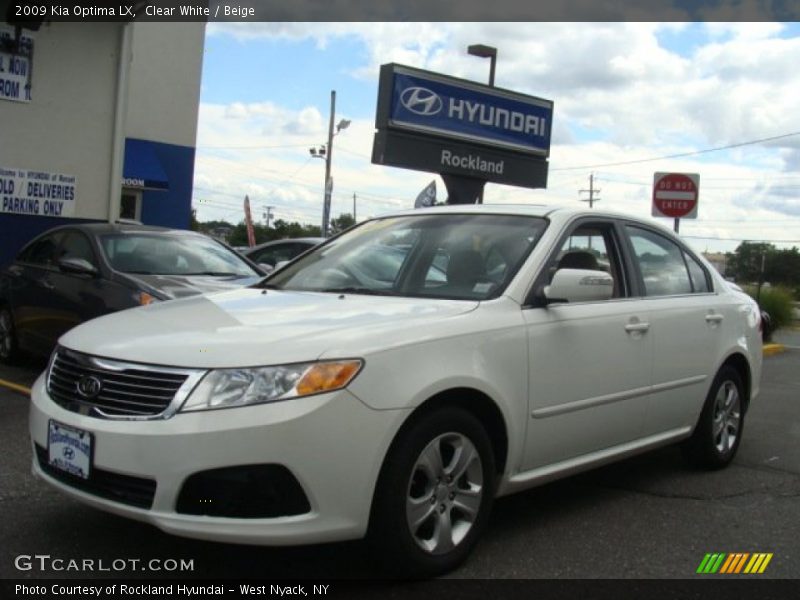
x: 342, y: 222
x: 280, y: 230
x: 780, y: 267
x: 744, y: 264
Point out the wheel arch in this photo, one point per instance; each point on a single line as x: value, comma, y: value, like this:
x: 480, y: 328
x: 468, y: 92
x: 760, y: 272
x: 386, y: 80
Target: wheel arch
x: 473, y: 401
x: 479, y: 405
x: 741, y: 365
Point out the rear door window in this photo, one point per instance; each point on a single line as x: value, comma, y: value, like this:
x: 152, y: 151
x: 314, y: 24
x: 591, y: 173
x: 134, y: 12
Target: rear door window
x: 42, y: 252
x: 661, y: 263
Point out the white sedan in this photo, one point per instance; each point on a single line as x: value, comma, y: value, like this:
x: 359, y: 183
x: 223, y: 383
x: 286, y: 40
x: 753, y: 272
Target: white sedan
x: 395, y: 380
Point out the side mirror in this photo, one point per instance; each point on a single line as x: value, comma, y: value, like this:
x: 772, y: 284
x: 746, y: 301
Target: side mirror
x: 579, y: 285
x: 78, y: 266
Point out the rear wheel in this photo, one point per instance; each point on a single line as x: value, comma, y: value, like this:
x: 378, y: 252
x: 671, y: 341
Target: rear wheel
x: 8, y: 339
x: 434, y: 494
x: 719, y: 431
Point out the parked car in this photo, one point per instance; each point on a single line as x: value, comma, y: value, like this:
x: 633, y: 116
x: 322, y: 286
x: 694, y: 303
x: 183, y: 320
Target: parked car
x: 269, y: 254
x: 74, y: 273
x: 509, y: 347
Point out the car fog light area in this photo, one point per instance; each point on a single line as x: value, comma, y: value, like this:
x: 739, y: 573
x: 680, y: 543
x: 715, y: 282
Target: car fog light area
x: 227, y: 388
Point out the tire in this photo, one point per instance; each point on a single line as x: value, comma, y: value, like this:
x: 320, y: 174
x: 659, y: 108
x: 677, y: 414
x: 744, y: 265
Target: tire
x: 434, y: 495
x: 9, y: 352
x: 718, y: 433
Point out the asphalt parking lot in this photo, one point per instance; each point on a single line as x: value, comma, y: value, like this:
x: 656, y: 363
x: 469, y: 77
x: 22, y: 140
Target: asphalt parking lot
x: 648, y: 517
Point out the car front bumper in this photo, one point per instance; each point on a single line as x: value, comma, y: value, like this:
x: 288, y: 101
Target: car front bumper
x: 333, y: 445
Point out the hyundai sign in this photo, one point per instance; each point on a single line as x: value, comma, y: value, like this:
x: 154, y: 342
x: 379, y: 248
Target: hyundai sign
x: 435, y: 104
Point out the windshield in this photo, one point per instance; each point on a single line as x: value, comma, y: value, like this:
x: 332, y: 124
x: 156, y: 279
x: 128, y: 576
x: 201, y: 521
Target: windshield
x: 172, y: 254
x: 461, y: 256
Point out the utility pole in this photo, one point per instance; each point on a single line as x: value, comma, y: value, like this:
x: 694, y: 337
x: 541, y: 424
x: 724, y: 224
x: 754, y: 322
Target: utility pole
x: 268, y: 214
x: 326, y: 206
x: 325, y: 152
x: 591, y: 191
x: 354, y: 208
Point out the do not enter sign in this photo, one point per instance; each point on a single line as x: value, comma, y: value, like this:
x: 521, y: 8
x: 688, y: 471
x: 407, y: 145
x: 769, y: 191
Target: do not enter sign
x: 675, y: 195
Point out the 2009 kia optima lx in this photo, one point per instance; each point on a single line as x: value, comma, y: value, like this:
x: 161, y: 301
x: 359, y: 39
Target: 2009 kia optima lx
x: 395, y: 380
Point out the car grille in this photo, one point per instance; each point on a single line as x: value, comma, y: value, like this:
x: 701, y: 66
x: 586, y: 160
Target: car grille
x: 134, y: 491
x: 125, y: 389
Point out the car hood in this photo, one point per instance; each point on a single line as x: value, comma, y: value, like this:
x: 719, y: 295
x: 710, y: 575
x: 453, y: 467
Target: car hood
x: 182, y: 286
x: 249, y: 327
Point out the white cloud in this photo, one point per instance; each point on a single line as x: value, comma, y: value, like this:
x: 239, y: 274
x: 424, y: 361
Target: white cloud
x: 619, y: 96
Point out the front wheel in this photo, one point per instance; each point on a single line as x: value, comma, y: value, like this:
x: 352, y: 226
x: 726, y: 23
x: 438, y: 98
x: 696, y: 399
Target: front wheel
x: 434, y: 494
x: 8, y: 340
x: 718, y: 433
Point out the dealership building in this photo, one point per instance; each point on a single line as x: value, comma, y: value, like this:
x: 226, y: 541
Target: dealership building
x: 98, y: 122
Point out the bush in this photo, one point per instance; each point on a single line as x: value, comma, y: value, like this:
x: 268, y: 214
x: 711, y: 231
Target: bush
x: 777, y: 301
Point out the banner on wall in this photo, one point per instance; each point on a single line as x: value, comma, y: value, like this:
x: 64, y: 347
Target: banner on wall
x: 37, y: 193
x: 15, y: 66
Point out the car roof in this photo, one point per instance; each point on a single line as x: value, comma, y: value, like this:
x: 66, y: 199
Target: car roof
x: 550, y: 211
x: 116, y: 228
x: 309, y: 240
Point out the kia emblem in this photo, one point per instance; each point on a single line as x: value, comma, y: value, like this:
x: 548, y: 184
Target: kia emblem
x: 89, y: 386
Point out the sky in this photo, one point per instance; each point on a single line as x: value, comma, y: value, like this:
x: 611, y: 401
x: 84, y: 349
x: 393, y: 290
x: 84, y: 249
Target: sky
x: 623, y: 93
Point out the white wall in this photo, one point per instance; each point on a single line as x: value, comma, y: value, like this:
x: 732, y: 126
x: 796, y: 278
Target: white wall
x: 67, y: 127
x: 164, y: 84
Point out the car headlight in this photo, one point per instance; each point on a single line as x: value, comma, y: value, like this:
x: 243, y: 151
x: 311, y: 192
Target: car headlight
x: 225, y: 388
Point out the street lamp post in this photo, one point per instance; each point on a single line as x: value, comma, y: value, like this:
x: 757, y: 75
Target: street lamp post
x: 489, y: 52
x: 484, y: 51
x: 326, y: 152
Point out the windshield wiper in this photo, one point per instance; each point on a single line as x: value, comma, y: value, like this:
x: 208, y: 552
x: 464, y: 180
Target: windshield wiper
x: 360, y: 290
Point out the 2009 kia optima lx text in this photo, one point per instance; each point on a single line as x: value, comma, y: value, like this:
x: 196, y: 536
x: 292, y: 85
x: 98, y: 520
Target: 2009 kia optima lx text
x: 397, y: 378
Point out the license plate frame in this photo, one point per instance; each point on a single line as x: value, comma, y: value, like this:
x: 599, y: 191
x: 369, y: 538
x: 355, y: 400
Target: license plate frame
x: 70, y: 449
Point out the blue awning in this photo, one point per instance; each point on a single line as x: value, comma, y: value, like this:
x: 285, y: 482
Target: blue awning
x: 141, y: 168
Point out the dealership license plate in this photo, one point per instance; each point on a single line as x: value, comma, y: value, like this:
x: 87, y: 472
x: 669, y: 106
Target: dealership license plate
x: 69, y: 449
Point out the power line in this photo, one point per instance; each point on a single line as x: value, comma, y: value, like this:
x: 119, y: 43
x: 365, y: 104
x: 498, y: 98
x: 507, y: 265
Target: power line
x: 265, y: 147
x: 680, y: 155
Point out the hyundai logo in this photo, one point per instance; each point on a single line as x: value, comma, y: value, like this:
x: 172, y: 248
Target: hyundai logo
x: 421, y: 101
x: 68, y: 453
x: 89, y: 386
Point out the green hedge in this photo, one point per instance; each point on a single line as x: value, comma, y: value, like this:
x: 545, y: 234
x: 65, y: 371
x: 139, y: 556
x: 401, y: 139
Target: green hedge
x: 777, y: 301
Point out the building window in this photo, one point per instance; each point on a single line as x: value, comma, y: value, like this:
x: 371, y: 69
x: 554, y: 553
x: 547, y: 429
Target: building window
x: 130, y: 207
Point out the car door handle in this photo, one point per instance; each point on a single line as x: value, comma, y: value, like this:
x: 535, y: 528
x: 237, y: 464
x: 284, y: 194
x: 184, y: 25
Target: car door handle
x: 714, y: 318
x: 634, y: 327
x: 47, y: 285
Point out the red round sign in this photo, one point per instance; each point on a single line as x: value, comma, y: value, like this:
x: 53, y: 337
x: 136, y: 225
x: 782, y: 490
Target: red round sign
x: 674, y: 195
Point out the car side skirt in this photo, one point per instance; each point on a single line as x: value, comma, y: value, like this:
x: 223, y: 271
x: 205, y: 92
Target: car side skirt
x: 542, y: 475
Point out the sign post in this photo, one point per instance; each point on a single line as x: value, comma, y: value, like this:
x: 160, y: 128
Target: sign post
x: 248, y: 219
x: 676, y: 195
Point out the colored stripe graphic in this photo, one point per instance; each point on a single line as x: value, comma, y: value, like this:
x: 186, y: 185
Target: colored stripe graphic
x: 734, y: 563
x: 728, y: 564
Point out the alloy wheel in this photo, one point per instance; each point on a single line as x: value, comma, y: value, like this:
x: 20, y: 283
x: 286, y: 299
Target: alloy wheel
x: 727, y: 417
x: 444, y: 495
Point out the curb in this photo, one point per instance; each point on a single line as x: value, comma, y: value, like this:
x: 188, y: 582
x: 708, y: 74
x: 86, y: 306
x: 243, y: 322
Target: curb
x: 15, y: 387
x: 772, y: 349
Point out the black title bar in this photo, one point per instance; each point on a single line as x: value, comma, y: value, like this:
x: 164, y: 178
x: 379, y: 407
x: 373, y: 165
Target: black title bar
x: 253, y: 11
